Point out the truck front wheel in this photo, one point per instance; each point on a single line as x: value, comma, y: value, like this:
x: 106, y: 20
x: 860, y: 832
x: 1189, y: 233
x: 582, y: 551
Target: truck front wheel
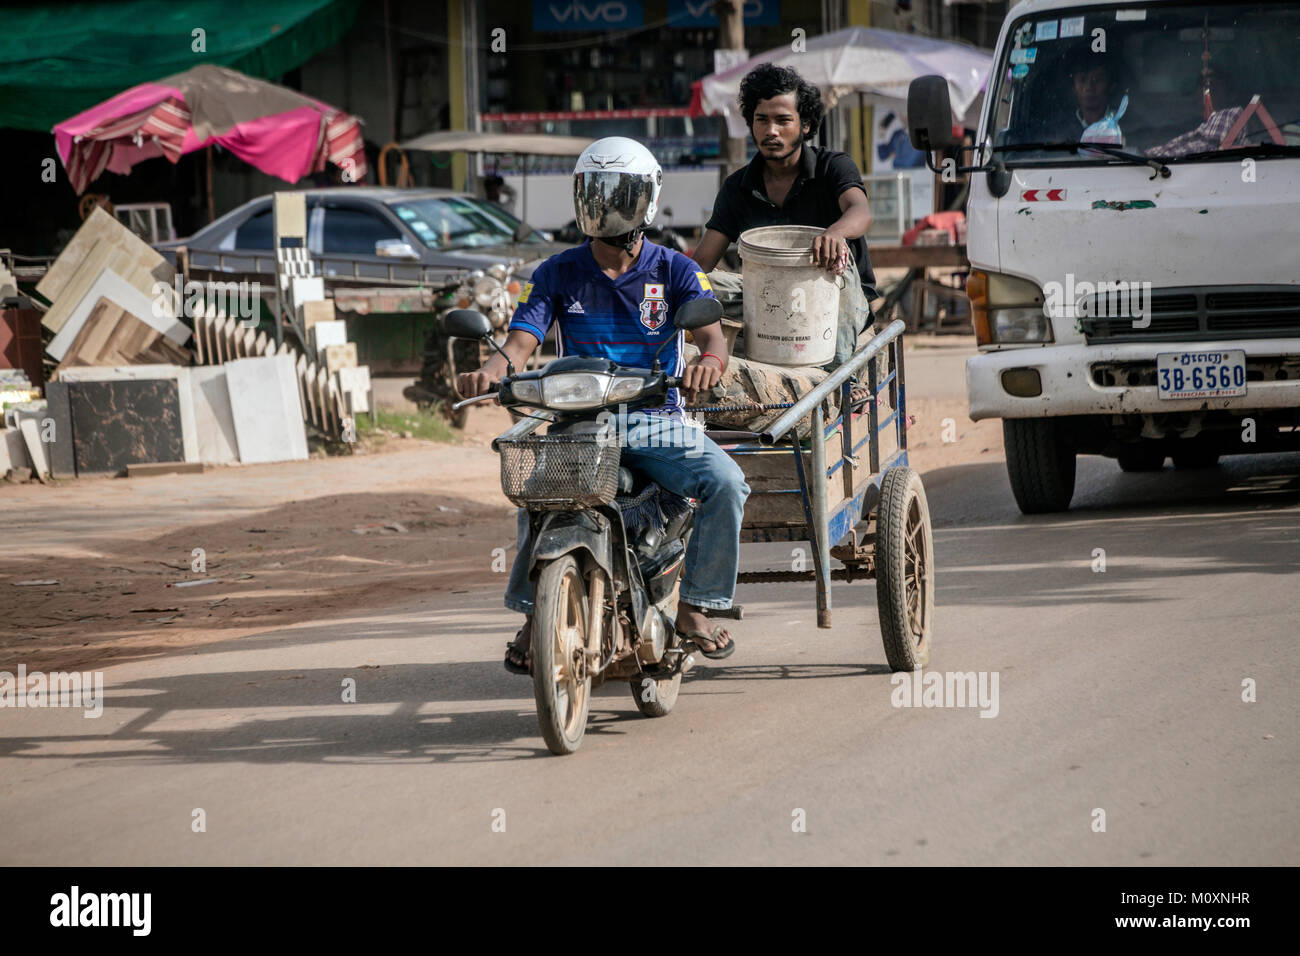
x: 1040, y: 464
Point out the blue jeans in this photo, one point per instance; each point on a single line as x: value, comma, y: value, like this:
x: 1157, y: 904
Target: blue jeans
x: 681, y: 459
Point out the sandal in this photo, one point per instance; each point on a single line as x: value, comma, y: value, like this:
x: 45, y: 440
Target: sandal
x: 515, y: 653
x: 717, y: 654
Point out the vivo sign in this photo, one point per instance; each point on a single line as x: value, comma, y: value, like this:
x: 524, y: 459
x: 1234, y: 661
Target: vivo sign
x: 552, y: 15
x: 699, y: 13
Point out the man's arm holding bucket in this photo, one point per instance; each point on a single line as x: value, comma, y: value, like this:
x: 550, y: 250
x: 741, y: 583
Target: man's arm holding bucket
x: 831, y: 249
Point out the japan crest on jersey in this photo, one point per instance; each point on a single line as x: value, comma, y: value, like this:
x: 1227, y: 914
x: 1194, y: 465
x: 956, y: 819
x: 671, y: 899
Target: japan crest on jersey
x: 654, y: 309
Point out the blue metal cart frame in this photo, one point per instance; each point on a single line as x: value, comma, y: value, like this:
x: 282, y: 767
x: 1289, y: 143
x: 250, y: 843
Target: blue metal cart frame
x: 826, y: 528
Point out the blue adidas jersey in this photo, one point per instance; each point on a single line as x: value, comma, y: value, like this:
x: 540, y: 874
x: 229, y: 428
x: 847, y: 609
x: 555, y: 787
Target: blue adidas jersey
x: 624, y: 319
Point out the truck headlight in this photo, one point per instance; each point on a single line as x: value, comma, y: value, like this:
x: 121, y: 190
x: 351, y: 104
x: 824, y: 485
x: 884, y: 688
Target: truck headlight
x: 1020, y: 324
x: 1006, y: 310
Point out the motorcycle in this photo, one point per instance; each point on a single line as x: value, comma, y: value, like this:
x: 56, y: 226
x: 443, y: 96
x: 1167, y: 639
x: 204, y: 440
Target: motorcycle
x: 609, y: 546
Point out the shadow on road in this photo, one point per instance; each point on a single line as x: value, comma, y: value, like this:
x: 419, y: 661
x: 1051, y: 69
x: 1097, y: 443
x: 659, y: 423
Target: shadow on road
x: 403, y: 734
x: 1235, y: 519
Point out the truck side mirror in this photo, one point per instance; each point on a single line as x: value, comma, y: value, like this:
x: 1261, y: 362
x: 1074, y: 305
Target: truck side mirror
x: 929, y: 114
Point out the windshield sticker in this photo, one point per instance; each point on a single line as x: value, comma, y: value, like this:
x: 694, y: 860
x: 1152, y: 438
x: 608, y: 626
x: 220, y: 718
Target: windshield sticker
x: 1045, y: 30
x: 1025, y: 35
x: 1027, y: 55
x: 1071, y: 27
x: 1020, y: 71
x: 1130, y: 15
x: 405, y: 213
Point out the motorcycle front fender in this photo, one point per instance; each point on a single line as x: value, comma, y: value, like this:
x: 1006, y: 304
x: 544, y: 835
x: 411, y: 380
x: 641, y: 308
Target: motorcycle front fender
x: 562, y: 532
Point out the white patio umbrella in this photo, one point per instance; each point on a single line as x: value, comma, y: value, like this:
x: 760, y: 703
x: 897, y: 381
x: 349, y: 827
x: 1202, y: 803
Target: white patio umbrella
x: 877, y: 64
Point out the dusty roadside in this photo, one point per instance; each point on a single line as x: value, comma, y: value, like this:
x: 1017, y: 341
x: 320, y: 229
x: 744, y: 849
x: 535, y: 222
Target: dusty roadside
x: 308, y: 540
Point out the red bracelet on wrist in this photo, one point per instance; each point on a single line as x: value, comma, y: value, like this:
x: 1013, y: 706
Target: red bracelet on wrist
x: 721, y: 364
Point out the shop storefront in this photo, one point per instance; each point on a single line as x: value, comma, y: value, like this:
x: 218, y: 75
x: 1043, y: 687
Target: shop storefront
x: 619, y: 68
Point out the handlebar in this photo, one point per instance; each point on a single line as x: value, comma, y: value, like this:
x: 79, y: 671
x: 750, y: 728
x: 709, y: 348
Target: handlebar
x: 671, y: 381
x: 486, y: 396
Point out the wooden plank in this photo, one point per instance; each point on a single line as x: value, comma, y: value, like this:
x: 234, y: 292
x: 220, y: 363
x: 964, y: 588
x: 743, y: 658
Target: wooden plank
x: 110, y: 285
x: 232, y: 338
x: 918, y: 257
x: 321, y: 310
x: 81, y: 351
x: 340, y: 356
x: 200, y: 336
x: 328, y: 423
x: 35, y: 450
x: 304, y: 390
x: 164, y: 468
x: 101, y: 228
x: 776, y: 472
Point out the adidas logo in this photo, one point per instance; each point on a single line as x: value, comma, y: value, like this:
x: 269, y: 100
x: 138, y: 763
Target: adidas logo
x: 576, y: 308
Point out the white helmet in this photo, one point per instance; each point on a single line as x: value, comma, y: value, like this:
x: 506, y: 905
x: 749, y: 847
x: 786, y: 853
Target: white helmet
x: 616, y: 185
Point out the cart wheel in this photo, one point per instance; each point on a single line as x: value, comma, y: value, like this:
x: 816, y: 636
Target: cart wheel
x: 904, y: 570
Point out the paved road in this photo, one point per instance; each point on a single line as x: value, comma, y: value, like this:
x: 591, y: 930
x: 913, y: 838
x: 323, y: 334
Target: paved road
x: 1119, y: 691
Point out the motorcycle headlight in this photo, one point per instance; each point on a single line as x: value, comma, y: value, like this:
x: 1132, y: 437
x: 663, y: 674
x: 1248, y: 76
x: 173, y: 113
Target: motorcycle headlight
x: 486, y: 290
x: 575, y: 390
x: 527, y: 391
x: 624, y: 389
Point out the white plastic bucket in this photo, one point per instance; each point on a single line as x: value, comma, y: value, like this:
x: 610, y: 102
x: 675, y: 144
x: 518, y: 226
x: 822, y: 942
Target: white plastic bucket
x: 791, y: 307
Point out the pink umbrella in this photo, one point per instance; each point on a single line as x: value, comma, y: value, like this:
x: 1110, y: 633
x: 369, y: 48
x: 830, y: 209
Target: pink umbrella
x: 283, y: 133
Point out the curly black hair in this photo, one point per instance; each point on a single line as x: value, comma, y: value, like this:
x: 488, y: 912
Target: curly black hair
x: 768, y: 80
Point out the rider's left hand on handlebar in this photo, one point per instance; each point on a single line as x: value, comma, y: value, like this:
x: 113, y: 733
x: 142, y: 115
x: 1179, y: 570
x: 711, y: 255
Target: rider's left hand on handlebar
x: 701, y: 375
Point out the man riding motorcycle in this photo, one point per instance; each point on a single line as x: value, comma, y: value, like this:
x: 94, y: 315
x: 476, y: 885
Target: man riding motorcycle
x: 614, y: 297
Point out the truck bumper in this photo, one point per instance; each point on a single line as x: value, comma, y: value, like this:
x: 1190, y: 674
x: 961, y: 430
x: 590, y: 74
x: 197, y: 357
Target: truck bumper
x: 1070, y: 386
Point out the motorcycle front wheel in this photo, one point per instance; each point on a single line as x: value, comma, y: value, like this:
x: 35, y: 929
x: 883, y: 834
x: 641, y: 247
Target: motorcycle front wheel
x: 561, y: 682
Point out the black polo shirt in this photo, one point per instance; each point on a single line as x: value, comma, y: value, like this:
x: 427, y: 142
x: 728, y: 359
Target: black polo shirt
x: 813, y: 200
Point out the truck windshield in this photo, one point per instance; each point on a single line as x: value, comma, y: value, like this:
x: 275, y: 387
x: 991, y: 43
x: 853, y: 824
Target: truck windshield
x: 1171, y: 82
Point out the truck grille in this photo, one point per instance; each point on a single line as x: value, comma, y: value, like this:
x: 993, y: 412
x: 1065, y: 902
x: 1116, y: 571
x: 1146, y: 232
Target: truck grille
x: 1202, y: 313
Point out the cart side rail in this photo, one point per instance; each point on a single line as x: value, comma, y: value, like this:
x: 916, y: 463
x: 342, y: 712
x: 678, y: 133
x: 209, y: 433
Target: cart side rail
x: 797, y: 412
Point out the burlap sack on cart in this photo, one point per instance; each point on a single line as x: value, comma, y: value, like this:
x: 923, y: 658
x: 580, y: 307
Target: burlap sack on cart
x: 746, y: 382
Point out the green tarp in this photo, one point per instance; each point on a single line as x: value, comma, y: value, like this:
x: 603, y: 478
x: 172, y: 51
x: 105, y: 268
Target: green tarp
x: 61, y: 58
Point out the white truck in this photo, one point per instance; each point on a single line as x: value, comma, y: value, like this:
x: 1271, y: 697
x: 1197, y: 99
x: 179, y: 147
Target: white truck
x: 1134, y: 235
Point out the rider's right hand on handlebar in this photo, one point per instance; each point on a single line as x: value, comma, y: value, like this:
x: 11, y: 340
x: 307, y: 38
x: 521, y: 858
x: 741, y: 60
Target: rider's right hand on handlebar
x: 478, y: 382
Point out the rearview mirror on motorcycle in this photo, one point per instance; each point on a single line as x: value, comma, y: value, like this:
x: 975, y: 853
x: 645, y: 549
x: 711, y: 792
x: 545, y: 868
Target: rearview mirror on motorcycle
x: 698, y: 313
x: 467, y: 324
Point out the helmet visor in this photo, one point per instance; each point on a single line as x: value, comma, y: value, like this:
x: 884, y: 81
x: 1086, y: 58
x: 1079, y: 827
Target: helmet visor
x: 611, y: 203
